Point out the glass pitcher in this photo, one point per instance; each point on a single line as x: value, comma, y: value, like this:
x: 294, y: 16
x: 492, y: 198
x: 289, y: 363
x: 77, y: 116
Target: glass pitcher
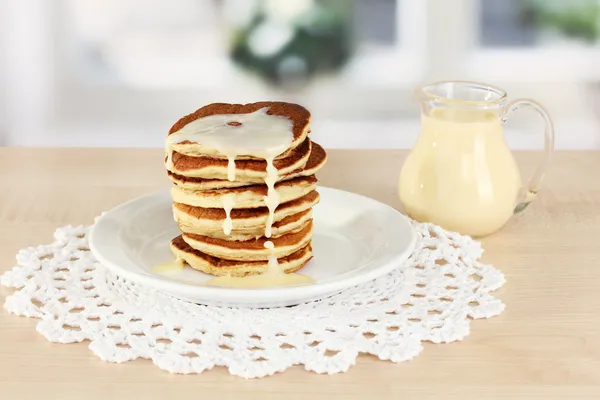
x: 461, y: 174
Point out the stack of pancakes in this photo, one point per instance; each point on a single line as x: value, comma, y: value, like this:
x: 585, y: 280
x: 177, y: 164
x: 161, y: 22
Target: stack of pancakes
x: 234, y: 245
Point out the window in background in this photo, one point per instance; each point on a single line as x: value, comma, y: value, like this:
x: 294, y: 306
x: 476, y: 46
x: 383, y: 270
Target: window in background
x: 140, y: 43
x: 215, y: 43
x: 118, y: 72
x: 539, y: 23
x: 546, y: 39
x: 122, y: 68
x: 548, y: 50
x: 376, y: 22
x: 505, y: 24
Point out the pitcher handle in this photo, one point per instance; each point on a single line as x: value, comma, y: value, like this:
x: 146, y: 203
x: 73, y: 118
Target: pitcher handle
x: 530, y: 190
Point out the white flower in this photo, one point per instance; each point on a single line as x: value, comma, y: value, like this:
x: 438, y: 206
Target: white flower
x: 287, y: 11
x: 269, y: 37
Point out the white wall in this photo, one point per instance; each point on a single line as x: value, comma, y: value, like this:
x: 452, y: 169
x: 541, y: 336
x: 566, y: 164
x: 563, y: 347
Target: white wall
x: 3, y: 62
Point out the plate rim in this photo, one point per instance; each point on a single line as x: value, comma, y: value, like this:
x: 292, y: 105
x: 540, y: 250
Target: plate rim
x: 223, y: 294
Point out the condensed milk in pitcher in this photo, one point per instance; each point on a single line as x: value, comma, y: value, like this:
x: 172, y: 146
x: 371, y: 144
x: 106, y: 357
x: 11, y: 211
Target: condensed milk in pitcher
x: 461, y: 174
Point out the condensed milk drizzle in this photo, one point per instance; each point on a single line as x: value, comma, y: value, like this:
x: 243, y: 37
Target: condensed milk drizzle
x: 228, y: 204
x: 272, y: 263
x: 272, y: 201
x: 255, y: 134
x: 272, y: 198
x: 169, y: 163
x: 231, y: 168
x: 169, y: 267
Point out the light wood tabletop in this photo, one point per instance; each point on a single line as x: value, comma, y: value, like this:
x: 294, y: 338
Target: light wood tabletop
x: 545, y: 345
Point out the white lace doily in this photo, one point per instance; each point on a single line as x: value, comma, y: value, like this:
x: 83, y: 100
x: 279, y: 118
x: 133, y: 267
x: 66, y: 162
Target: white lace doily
x: 429, y: 298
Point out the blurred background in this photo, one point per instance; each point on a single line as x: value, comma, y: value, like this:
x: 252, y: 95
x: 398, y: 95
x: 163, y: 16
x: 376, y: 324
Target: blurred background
x: 120, y: 72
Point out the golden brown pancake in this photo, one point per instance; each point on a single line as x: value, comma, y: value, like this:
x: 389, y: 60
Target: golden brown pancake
x: 216, y: 168
x: 206, y: 203
x: 315, y: 162
x: 244, y: 219
x: 246, y: 196
x: 250, y: 250
x: 299, y: 115
x: 219, y: 267
x: 289, y: 224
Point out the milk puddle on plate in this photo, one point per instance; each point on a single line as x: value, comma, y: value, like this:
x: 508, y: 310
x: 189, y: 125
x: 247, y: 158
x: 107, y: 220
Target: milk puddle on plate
x: 256, y: 134
x: 335, y: 255
x: 169, y: 267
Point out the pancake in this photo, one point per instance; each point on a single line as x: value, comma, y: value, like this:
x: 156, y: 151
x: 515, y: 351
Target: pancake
x: 228, y: 162
x: 244, y: 197
x: 315, y: 162
x: 299, y: 115
x: 219, y: 267
x: 243, y: 220
x: 250, y: 250
x: 216, y: 168
x: 290, y: 224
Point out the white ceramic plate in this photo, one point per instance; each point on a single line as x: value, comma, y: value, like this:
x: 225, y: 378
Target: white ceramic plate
x: 356, y: 239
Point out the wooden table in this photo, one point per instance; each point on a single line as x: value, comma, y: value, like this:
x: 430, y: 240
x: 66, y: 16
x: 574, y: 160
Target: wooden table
x: 545, y: 345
